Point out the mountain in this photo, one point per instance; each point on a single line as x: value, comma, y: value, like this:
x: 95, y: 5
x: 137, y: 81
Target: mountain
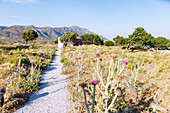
x: 44, y: 33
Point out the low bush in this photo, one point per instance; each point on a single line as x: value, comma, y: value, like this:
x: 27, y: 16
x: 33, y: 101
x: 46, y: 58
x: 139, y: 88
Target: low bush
x: 109, y: 43
x: 63, y: 60
x: 25, y: 60
x: 1, y: 60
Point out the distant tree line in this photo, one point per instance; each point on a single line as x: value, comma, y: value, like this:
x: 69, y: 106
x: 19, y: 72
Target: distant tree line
x: 141, y: 38
x: 69, y: 37
x: 94, y: 39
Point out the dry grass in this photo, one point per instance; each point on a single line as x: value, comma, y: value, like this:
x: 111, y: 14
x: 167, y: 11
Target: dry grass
x: 153, y: 77
x: 20, y: 71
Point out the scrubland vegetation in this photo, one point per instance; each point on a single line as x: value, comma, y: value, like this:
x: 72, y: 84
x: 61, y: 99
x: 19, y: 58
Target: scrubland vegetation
x: 128, y: 81
x: 103, y: 77
x: 20, y: 70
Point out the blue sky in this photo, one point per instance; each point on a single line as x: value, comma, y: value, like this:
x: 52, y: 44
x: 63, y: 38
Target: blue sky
x: 108, y: 18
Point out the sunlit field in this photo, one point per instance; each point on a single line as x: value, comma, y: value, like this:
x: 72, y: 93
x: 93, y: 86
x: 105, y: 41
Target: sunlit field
x: 20, y: 70
x: 137, y: 81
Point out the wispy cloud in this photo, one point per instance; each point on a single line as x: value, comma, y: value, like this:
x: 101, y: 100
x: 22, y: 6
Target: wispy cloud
x: 20, y: 1
x: 15, y: 17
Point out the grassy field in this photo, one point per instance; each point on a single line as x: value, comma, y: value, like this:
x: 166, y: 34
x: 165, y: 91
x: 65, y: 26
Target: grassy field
x: 20, y: 70
x: 141, y: 84
x: 137, y: 81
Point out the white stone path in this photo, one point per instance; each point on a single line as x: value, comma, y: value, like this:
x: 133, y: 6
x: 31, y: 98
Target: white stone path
x: 53, y: 95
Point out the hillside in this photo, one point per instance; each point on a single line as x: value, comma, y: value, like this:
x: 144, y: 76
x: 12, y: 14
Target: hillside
x: 45, y: 33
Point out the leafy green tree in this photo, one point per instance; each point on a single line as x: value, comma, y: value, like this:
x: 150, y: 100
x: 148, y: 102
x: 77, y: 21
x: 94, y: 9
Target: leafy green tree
x: 94, y: 39
x: 119, y: 40
x: 109, y: 43
x: 126, y: 41
x: 29, y: 35
x: 68, y: 37
x: 97, y: 40
x: 141, y: 37
x: 161, y: 42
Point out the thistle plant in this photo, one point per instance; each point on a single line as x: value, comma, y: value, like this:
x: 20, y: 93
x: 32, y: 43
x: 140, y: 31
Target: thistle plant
x: 83, y: 85
x: 93, y: 82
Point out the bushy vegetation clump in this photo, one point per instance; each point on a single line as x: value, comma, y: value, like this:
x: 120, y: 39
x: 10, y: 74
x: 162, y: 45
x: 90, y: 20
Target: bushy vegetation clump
x: 109, y: 43
x: 94, y: 39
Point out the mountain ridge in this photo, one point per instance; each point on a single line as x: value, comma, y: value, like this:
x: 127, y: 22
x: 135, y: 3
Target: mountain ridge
x: 44, y: 33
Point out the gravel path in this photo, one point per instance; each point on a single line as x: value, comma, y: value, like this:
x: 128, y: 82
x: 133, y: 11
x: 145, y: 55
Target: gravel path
x: 53, y: 95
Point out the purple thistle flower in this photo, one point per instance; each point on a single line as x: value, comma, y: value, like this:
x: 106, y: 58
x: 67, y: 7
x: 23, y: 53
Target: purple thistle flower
x: 97, y: 54
x: 79, y: 57
x: 94, y: 81
x: 125, y: 61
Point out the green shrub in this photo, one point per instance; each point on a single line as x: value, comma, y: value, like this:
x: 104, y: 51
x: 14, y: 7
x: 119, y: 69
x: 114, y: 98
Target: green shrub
x: 25, y: 60
x: 27, y: 86
x: 56, y: 42
x: 43, y: 66
x: 68, y: 63
x: 63, y: 60
x: 2, y: 60
x: 109, y: 43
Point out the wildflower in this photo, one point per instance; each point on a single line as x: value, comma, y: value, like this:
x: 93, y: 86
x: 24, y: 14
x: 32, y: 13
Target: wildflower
x: 94, y: 81
x: 83, y: 85
x: 97, y: 54
x: 125, y: 61
x: 79, y: 57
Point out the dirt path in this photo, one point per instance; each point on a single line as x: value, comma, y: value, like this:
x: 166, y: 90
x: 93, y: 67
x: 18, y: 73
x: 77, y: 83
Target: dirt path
x: 53, y: 95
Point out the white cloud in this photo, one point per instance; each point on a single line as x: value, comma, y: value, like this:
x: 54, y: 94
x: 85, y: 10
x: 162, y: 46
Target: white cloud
x: 20, y: 1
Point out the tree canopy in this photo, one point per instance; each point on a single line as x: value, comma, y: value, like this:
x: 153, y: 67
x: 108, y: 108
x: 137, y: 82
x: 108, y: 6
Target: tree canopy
x: 119, y: 40
x: 68, y: 37
x: 161, y: 42
x: 29, y: 35
x: 109, y: 43
x: 142, y: 38
x: 94, y: 39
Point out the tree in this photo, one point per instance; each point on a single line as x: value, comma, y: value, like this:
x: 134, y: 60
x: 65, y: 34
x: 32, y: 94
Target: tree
x: 94, y: 39
x: 29, y: 35
x: 68, y: 37
x: 119, y: 40
x: 142, y: 38
x: 161, y: 42
x: 97, y: 40
x: 109, y: 43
